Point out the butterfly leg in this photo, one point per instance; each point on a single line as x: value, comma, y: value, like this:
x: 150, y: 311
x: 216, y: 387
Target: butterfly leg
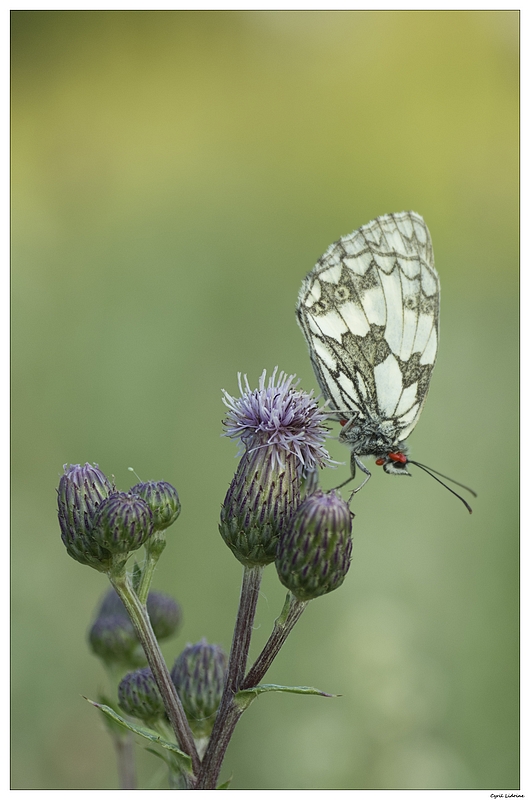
x: 355, y: 461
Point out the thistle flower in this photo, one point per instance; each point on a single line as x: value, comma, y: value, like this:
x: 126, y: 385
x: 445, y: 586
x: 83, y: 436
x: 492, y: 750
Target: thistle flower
x: 81, y: 491
x: 163, y: 500
x: 122, y: 523
x: 138, y: 696
x: 282, y: 433
x: 113, y: 639
x: 280, y: 417
x: 164, y: 612
x: 199, y: 677
x: 314, y: 552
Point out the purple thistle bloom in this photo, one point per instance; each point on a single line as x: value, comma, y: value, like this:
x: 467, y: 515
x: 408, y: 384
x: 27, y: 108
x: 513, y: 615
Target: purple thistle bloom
x: 282, y: 433
x: 280, y: 417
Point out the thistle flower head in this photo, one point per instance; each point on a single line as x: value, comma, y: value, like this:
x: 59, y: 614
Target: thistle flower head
x: 282, y: 433
x: 163, y: 500
x: 314, y: 552
x: 138, y: 695
x: 122, y: 523
x: 81, y: 491
x: 165, y: 614
x: 199, y: 677
x: 113, y: 639
x: 280, y: 417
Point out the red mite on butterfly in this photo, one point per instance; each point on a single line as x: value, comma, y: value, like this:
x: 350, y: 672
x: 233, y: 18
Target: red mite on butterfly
x: 401, y: 457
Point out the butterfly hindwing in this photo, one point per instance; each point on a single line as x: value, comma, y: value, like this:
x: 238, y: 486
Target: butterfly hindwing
x: 369, y: 311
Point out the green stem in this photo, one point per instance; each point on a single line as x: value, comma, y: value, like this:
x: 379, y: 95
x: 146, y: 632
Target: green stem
x: 124, y: 746
x: 291, y: 613
x: 123, y: 740
x: 147, y: 576
x: 140, y: 620
x: 153, y: 550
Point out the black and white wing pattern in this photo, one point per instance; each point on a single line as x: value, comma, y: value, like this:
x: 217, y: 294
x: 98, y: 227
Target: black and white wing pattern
x: 369, y: 311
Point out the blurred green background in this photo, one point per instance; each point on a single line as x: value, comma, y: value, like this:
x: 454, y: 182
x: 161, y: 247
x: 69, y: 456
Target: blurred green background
x: 175, y: 176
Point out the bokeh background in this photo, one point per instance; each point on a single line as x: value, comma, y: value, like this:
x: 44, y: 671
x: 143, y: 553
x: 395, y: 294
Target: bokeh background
x: 175, y: 176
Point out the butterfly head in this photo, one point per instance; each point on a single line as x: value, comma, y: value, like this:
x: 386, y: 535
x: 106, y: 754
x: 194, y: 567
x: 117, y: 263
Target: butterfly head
x: 394, y: 463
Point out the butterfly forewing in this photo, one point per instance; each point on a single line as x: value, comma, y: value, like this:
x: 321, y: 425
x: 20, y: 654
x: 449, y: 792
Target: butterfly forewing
x: 369, y: 311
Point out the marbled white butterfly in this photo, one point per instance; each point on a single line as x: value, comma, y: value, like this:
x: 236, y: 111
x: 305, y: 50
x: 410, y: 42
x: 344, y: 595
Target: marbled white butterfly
x: 369, y: 311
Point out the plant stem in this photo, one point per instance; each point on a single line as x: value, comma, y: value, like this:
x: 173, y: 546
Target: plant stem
x: 142, y: 625
x: 229, y: 713
x: 147, y: 576
x: 291, y: 613
x: 154, y: 548
x: 124, y: 745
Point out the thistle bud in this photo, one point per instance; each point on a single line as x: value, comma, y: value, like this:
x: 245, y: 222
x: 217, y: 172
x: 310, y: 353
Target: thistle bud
x: 113, y: 639
x: 81, y: 491
x: 258, y: 504
x: 199, y: 677
x: 122, y: 523
x: 164, y: 612
x: 314, y: 553
x: 282, y: 434
x: 163, y: 500
x: 138, y: 696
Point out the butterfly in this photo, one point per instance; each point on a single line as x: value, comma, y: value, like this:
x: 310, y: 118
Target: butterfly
x: 370, y: 314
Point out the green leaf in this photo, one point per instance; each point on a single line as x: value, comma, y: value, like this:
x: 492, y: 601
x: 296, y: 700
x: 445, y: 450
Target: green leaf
x: 184, y: 761
x: 245, y: 697
x: 226, y: 784
x: 115, y: 730
x: 165, y: 758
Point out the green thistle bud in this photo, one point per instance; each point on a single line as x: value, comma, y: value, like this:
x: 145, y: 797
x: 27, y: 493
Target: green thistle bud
x: 138, y: 696
x: 314, y: 553
x: 258, y: 504
x: 81, y: 491
x: 282, y: 432
x: 164, y: 612
x: 122, y: 523
x: 113, y: 639
x: 163, y: 500
x: 199, y: 677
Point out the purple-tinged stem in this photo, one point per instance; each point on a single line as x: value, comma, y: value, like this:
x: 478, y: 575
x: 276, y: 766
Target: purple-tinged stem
x: 283, y: 626
x: 229, y: 713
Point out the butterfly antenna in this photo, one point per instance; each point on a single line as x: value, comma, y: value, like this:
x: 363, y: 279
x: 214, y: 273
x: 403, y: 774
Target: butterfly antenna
x: 429, y: 472
x: 447, y: 478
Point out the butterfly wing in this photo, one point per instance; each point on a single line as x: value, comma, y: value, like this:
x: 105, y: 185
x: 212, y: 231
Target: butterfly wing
x: 369, y: 311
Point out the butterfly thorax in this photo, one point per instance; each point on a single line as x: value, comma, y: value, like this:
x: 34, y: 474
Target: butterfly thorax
x: 370, y: 437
